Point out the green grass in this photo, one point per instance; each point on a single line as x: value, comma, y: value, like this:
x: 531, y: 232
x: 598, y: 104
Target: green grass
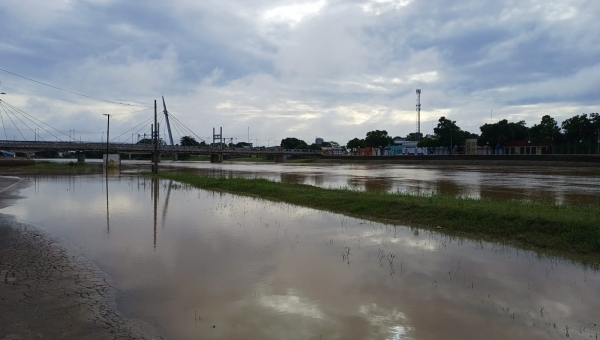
x: 549, y: 228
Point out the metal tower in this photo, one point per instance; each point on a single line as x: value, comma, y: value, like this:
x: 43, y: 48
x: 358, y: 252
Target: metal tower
x: 218, y: 137
x: 167, y: 119
x: 418, y: 114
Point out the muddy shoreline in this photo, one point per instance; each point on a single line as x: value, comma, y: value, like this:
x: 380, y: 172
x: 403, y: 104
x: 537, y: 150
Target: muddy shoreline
x: 49, y: 290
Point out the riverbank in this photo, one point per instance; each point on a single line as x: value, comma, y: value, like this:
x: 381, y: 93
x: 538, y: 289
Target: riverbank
x: 558, y: 161
x: 49, y: 290
x: 551, y: 229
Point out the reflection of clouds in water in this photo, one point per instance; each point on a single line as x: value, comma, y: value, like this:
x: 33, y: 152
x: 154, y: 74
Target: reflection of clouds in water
x: 382, y: 236
x: 390, y: 322
x: 292, y: 304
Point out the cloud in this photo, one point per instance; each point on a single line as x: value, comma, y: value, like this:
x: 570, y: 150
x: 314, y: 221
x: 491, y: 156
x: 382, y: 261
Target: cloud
x: 332, y: 68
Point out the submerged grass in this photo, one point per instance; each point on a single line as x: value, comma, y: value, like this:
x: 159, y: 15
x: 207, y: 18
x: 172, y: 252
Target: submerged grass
x: 553, y: 228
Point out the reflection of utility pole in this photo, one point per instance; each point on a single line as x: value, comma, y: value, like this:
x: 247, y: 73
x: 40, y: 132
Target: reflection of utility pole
x: 107, y: 214
x: 155, y: 197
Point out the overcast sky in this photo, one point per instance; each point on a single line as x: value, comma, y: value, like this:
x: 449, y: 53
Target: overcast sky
x: 329, y: 68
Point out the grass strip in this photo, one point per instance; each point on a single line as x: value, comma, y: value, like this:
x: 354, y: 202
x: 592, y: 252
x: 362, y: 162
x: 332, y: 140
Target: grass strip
x: 550, y: 228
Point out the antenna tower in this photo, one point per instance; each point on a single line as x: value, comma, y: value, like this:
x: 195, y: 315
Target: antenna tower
x: 418, y: 114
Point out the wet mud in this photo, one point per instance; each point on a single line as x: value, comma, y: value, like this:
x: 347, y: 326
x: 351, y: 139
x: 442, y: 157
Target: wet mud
x: 49, y: 290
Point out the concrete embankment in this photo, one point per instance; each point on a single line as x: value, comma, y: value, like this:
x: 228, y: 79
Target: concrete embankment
x: 489, y: 160
x: 49, y: 290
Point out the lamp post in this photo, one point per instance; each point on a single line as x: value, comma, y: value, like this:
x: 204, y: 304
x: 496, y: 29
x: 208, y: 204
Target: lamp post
x: 107, y: 133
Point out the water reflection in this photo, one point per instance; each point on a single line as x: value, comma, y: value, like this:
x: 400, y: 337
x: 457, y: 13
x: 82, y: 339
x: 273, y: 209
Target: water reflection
x: 292, y: 178
x: 107, y: 209
x: 229, y: 267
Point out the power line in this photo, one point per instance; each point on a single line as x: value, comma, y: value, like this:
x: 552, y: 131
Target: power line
x: 48, y: 125
x: 145, y: 121
x: 69, y: 91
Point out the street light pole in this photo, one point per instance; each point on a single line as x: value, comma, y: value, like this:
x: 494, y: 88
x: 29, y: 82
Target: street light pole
x: 107, y: 133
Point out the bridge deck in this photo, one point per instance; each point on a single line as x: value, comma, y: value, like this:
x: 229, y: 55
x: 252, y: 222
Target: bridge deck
x: 31, y: 146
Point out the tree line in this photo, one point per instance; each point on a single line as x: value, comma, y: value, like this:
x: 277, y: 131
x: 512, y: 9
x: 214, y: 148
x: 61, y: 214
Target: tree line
x: 580, y: 129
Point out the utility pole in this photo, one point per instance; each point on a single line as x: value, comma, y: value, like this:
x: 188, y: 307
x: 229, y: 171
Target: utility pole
x: 155, y: 136
x: 107, y: 132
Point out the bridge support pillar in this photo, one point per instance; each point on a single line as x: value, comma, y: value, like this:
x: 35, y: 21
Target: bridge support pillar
x: 175, y: 157
x: 279, y: 158
x: 80, y: 157
x: 216, y: 158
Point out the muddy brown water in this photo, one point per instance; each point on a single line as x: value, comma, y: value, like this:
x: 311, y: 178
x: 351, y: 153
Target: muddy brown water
x: 205, y: 265
x: 533, y: 183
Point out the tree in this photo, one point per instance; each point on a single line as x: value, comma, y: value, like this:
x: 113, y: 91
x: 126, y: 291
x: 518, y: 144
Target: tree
x: 547, y: 130
x: 580, y: 127
x: 314, y: 146
x: 47, y: 154
x: 243, y: 145
x: 413, y: 136
x: 355, y: 143
x: 293, y: 143
x: 145, y: 141
x: 502, y: 132
x: 428, y: 143
x: 188, y: 141
x: 378, y: 139
x: 448, y: 133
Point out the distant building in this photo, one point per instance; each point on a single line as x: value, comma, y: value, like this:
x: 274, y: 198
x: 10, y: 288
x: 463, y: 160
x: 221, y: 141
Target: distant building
x: 523, y: 147
x: 368, y: 151
x: 319, y: 141
x: 471, y: 147
x: 392, y: 150
x: 398, y: 140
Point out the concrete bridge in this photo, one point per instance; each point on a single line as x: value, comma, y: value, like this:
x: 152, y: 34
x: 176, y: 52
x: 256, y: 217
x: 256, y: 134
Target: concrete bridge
x: 215, y: 153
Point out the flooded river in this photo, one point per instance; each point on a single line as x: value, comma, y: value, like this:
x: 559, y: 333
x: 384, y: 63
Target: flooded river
x: 535, y: 183
x: 207, y: 265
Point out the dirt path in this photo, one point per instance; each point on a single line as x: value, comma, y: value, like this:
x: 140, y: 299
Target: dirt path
x: 49, y: 290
